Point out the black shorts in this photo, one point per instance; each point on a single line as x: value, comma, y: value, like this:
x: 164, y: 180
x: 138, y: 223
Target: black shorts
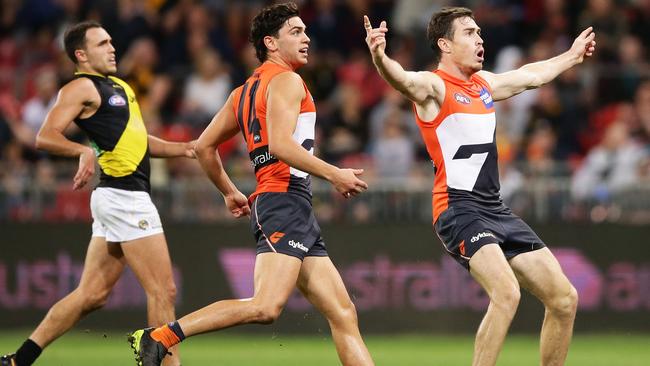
x: 464, y: 229
x: 285, y: 223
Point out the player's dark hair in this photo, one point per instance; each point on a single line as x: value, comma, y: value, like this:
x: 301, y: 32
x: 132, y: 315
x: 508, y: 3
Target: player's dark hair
x: 75, y: 38
x: 441, y: 26
x: 267, y: 23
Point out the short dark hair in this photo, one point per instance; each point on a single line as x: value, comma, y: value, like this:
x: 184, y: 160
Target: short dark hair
x: 267, y: 23
x: 75, y: 37
x: 441, y: 26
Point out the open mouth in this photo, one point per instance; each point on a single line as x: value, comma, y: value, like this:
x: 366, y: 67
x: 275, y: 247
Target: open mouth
x: 480, y: 54
x: 304, y: 51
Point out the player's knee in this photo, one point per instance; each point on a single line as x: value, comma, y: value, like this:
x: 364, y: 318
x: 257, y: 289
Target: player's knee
x: 507, y: 298
x: 267, y: 314
x: 565, y: 304
x: 164, y: 294
x: 93, y: 300
x: 346, y: 314
x: 170, y: 293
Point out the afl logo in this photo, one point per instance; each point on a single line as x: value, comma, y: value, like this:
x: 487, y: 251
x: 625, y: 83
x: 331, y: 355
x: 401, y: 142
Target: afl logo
x: 460, y: 98
x: 116, y: 101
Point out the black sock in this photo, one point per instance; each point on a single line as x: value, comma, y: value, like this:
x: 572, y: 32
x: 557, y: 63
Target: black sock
x: 28, y: 353
x: 176, y: 328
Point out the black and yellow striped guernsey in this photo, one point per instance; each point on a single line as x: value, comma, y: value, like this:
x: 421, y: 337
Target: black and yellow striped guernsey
x: 118, y: 135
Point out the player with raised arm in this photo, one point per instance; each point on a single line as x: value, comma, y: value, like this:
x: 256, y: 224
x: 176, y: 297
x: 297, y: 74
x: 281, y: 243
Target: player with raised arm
x: 454, y: 110
x: 126, y: 228
x: 276, y: 115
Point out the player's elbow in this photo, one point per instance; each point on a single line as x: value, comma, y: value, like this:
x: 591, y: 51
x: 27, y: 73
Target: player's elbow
x: 201, y: 149
x: 41, y: 142
x: 277, y: 149
x: 538, y: 81
x: 204, y: 149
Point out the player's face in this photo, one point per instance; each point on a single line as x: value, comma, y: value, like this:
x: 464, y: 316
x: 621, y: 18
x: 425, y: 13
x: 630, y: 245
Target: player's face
x: 467, y: 46
x: 293, y: 42
x: 99, y: 51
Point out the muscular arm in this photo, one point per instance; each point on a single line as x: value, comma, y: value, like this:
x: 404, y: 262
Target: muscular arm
x: 284, y: 95
x: 222, y: 127
x: 416, y: 86
x: 159, y: 148
x: 74, y: 98
x: 536, y: 74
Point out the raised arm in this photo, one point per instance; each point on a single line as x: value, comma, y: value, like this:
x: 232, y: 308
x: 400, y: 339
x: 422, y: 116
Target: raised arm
x: 76, y: 98
x: 222, y: 127
x: 536, y: 74
x: 416, y: 86
x: 284, y: 95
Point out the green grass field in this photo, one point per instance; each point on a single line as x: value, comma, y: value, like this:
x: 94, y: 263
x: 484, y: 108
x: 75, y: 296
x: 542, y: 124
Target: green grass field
x: 236, y: 349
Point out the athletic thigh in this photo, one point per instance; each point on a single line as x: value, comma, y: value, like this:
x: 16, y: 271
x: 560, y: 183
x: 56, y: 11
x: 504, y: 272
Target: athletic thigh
x: 149, y: 259
x: 103, y: 266
x: 322, y: 285
x: 491, y: 270
x: 540, y: 273
x: 275, y: 277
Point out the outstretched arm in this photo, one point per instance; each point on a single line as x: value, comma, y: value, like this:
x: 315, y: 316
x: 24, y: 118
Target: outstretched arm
x: 536, y: 74
x: 159, y: 148
x: 416, y: 86
x: 222, y: 127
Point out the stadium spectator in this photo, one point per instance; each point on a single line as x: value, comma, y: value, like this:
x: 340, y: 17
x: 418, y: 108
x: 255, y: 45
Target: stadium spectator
x: 610, y: 167
x: 206, y: 89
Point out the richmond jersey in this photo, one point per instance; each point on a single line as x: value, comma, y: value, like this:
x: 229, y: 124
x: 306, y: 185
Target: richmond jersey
x: 118, y: 135
x: 461, y: 144
x: 249, y: 103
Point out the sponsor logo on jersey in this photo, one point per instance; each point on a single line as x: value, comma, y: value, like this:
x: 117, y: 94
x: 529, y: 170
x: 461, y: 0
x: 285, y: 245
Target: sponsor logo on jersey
x: 298, y: 245
x: 263, y: 158
x: 486, y: 97
x: 478, y: 236
x: 116, y: 101
x: 275, y: 237
x: 463, y: 99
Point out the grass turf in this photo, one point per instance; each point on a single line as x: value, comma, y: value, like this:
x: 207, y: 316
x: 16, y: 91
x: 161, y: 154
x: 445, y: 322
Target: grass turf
x: 236, y: 349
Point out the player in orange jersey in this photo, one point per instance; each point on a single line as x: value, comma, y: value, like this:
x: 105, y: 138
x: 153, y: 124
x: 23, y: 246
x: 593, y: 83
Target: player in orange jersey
x: 276, y: 115
x: 454, y: 109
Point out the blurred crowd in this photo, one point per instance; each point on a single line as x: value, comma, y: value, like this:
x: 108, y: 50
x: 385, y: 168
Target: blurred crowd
x: 183, y: 57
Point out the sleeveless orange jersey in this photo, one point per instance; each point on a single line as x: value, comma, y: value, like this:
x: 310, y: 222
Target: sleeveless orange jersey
x: 249, y: 105
x: 461, y: 144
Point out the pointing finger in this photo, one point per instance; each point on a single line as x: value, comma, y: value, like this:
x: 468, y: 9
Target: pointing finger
x: 586, y: 32
x: 366, y: 24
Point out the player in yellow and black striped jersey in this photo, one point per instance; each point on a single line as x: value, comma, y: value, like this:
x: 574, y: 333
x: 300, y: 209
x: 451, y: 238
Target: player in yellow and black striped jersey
x: 118, y: 135
x: 126, y: 225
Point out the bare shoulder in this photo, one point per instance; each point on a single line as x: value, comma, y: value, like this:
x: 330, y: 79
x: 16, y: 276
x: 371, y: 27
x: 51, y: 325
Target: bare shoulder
x: 288, y: 83
x: 80, y: 89
x: 487, y: 76
x: 431, y: 87
x: 436, y: 81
